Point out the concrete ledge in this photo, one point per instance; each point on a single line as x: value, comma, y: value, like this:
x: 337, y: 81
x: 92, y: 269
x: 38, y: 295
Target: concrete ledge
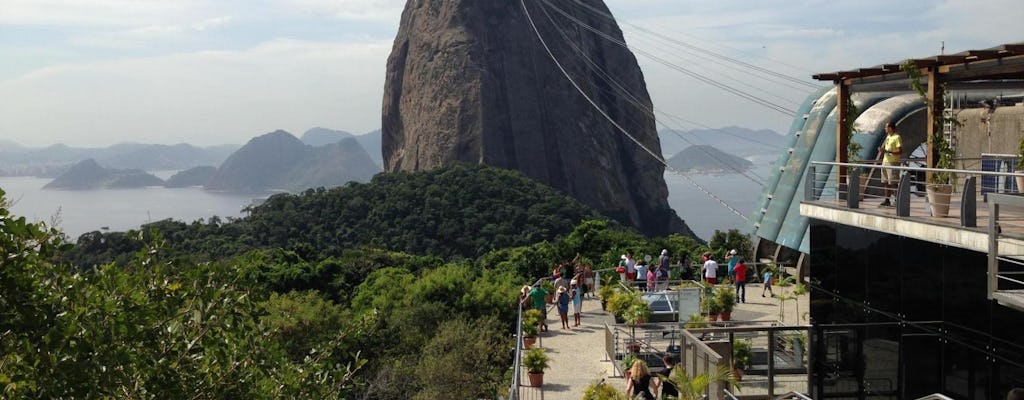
x: 913, y: 227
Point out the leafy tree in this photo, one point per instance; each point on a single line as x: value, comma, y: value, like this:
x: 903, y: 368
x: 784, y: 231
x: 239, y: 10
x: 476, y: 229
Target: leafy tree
x: 722, y: 242
x: 458, y: 362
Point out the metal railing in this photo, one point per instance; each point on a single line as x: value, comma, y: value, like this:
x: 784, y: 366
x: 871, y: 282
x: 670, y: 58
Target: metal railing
x: 518, y: 391
x: 968, y: 188
x: 778, y: 357
x: 1005, y: 271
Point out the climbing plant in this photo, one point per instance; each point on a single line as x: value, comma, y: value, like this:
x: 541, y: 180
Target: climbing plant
x: 939, y: 143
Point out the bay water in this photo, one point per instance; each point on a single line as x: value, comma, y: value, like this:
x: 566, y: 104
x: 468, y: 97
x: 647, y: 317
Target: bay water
x: 80, y: 211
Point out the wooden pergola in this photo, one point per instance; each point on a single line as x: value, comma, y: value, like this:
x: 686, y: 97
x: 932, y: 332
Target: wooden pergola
x: 997, y: 66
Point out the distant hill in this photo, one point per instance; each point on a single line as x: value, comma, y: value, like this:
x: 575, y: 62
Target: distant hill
x: 707, y: 159
x: 54, y: 160
x: 322, y: 136
x: 732, y: 139
x: 279, y: 160
x: 371, y: 142
x: 88, y: 174
x: 197, y: 176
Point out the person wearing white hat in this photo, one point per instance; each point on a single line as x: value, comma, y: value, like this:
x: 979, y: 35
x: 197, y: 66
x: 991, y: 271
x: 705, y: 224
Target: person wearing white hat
x: 576, y: 294
x: 733, y: 259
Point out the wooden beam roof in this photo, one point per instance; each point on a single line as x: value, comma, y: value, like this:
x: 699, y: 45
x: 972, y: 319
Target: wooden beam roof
x: 966, y: 57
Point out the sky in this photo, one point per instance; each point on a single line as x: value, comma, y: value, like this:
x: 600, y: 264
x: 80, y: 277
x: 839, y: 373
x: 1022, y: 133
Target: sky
x: 98, y: 72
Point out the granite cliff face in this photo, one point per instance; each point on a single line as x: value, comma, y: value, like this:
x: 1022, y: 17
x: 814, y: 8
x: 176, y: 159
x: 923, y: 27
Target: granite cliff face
x: 469, y: 81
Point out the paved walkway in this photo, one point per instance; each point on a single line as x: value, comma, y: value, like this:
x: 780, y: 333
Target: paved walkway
x: 578, y: 355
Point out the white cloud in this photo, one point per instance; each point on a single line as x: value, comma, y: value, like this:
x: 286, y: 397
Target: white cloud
x: 145, y: 36
x: 203, y: 98
x: 79, y: 13
x: 372, y: 10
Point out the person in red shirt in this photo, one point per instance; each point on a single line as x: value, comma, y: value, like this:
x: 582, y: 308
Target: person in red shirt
x: 741, y: 281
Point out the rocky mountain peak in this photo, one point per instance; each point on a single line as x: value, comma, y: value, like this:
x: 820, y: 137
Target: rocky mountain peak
x: 470, y: 81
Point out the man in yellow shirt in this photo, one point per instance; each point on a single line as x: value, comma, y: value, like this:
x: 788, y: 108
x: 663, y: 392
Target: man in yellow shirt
x: 891, y: 148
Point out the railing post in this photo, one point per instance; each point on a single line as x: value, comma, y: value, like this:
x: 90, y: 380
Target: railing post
x: 969, y: 203
x: 853, y: 188
x: 993, y: 244
x: 809, y: 184
x: 771, y: 363
x: 903, y: 196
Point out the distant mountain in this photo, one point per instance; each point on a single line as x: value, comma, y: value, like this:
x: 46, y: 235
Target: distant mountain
x: 55, y: 159
x: 731, y: 139
x: 707, y: 159
x: 371, y: 143
x: 197, y: 176
x: 88, y: 174
x: 7, y: 145
x: 279, y: 160
x: 323, y: 136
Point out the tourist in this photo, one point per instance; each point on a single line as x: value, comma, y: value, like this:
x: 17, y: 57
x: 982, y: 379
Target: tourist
x: 685, y: 271
x: 630, y: 267
x: 576, y: 294
x: 562, y: 302
x: 640, y: 382
x: 710, y: 269
x: 663, y: 260
x: 561, y: 282
x: 733, y: 259
x: 524, y: 298
x: 641, y: 275
x: 652, y: 276
x: 767, y: 282
x: 588, y: 280
x: 668, y: 389
x: 740, y: 275
x: 537, y: 294
x: 1015, y: 394
x: 891, y: 149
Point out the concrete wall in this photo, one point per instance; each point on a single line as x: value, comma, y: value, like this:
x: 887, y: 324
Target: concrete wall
x: 973, y: 138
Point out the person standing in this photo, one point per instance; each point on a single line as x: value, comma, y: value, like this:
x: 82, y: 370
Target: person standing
x: 741, y: 280
x: 767, y: 282
x: 733, y: 259
x: 562, y: 303
x: 710, y: 269
x: 537, y: 295
x: 640, y: 383
x: 891, y: 149
x: 668, y: 389
x: 588, y: 280
x: 663, y: 260
x: 576, y: 294
x: 630, y: 267
x: 641, y: 275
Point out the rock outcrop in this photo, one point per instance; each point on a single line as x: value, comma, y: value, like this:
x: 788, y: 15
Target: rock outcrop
x: 470, y: 81
x: 88, y: 175
x: 704, y: 158
x: 280, y: 161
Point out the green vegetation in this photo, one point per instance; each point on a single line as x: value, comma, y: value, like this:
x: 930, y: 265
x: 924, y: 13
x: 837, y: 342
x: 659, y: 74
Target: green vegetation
x: 401, y: 288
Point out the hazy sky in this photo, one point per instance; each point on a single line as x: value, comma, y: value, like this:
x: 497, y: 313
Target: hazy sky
x: 97, y: 72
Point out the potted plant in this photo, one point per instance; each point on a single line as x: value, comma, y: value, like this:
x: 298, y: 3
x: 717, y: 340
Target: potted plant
x: 636, y: 314
x: 531, y: 319
x: 696, y: 321
x: 620, y: 302
x: 696, y: 388
x: 606, y: 291
x: 548, y: 287
x: 741, y: 354
x: 603, y: 391
x: 536, y: 361
x: 713, y: 307
x: 1019, y: 168
x: 727, y: 301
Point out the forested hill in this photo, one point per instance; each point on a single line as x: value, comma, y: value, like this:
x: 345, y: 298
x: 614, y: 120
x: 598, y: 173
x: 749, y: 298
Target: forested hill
x: 458, y: 211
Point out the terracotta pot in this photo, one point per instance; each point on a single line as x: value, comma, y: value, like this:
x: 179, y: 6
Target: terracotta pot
x: 536, y: 379
x: 726, y: 316
x: 738, y: 373
x: 1020, y: 183
x: 712, y: 317
x: 528, y: 342
x: 939, y: 196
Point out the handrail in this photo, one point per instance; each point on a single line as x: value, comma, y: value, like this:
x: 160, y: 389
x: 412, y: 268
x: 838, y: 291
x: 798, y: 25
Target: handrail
x: 902, y: 168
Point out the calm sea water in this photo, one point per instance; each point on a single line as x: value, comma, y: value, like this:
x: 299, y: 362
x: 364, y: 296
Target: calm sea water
x: 704, y: 214
x: 81, y: 211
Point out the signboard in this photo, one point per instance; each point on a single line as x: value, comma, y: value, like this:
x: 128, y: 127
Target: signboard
x: 689, y: 303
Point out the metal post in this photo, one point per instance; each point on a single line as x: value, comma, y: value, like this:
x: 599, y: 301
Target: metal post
x: 903, y: 196
x: 969, y: 203
x: 809, y: 184
x: 853, y: 189
x: 993, y: 244
x: 771, y: 363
